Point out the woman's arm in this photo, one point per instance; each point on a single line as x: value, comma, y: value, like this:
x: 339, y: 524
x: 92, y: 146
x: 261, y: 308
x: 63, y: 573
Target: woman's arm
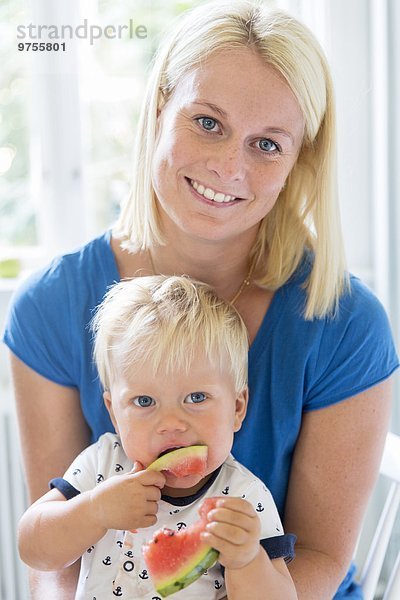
x: 52, y: 431
x: 335, y: 465
x: 52, y: 427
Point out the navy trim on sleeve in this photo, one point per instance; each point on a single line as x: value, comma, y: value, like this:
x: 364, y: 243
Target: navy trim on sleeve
x: 64, y: 487
x: 280, y: 546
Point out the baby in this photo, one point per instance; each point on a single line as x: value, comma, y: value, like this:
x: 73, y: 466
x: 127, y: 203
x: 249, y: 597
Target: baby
x: 172, y: 358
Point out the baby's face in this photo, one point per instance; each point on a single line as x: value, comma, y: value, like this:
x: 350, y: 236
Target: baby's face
x: 155, y: 413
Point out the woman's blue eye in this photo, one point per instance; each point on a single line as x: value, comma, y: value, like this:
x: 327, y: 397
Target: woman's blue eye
x: 196, y: 397
x: 143, y: 401
x: 268, y: 146
x: 207, y: 123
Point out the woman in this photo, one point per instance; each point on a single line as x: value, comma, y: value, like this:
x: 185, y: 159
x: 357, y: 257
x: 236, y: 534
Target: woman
x: 234, y: 185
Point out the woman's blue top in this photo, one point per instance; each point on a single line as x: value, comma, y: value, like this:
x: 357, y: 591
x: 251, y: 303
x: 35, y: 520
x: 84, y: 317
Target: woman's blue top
x: 294, y: 365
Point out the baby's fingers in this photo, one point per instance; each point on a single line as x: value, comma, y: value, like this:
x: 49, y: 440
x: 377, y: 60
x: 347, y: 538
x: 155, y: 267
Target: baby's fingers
x: 149, y: 518
x: 150, y: 478
x: 147, y: 521
x: 237, y: 505
x: 226, y: 532
x: 249, y: 522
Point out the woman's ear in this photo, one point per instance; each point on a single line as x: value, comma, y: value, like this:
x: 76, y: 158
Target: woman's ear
x: 108, y: 402
x: 161, y: 101
x: 161, y: 104
x: 241, y: 408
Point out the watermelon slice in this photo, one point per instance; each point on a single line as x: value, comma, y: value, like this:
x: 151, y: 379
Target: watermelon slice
x: 175, y: 559
x: 181, y: 462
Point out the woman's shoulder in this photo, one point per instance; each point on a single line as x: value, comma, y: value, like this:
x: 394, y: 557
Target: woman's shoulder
x: 48, y: 318
x: 359, y: 319
x: 339, y: 355
x: 88, y: 266
x: 356, y: 300
x: 359, y: 298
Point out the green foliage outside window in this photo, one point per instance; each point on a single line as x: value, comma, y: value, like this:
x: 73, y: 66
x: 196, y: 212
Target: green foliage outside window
x: 112, y: 75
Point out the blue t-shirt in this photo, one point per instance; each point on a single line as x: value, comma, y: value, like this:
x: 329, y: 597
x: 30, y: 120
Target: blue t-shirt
x: 294, y: 365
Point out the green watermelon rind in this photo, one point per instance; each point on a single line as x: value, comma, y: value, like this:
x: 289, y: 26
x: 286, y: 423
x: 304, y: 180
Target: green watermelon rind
x: 179, y: 583
x: 167, y: 461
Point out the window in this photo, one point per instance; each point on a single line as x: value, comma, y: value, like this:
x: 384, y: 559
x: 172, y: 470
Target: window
x: 68, y: 116
x: 17, y: 208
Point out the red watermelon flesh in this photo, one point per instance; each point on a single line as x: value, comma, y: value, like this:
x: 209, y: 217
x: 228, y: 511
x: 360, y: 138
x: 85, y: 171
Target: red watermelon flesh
x: 181, y: 462
x: 175, y: 559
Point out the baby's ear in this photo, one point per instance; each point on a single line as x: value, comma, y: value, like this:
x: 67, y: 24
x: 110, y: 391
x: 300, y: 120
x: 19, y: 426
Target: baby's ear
x: 108, y: 402
x: 241, y: 408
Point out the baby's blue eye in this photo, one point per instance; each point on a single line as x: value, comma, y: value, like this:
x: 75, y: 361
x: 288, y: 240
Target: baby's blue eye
x: 143, y: 401
x: 268, y: 146
x: 196, y: 397
x: 207, y: 123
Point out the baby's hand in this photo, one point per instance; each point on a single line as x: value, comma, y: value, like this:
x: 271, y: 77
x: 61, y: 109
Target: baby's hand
x: 128, y: 501
x: 233, y: 529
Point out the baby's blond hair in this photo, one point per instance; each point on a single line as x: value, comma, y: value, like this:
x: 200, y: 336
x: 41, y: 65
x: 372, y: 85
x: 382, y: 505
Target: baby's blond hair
x: 163, y: 321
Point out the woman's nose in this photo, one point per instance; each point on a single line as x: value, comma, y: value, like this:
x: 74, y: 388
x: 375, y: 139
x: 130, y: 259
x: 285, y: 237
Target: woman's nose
x: 228, y: 162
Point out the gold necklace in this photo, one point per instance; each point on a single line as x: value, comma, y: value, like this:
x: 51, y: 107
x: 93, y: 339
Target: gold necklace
x: 246, y: 281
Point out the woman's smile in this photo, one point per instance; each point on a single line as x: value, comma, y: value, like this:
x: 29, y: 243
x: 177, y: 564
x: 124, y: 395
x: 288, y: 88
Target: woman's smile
x: 211, y: 196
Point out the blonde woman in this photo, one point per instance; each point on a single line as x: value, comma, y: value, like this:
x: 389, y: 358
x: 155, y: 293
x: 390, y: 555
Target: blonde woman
x: 234, y: 185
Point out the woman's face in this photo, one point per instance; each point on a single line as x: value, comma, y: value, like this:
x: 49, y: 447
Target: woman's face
x: 226, y: 141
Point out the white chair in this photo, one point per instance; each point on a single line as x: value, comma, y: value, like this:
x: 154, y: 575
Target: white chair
x: 390, y: 467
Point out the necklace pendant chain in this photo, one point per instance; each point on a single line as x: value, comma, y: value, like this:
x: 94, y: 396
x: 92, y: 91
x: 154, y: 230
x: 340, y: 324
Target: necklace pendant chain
x: 245, y: 283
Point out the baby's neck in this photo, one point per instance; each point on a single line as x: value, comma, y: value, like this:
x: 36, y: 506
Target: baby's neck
x: 173, y: 492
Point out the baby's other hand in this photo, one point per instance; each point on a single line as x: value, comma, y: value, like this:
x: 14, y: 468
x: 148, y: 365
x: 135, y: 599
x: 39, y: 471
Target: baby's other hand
x: 233, y: 529
x: 128, y: 501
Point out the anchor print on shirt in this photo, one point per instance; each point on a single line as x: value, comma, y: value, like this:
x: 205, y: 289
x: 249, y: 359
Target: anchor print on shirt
x: 118, y: 468
x: 107, y: 561
x: 99, y: 478
x: 225, y: 491
x: 217, y: 584
x: 117, y: 591
x: 76, y: 472
x: 260, y: 507
x: 181, y: 525
x: 116, y: 445
x: 143, y: 574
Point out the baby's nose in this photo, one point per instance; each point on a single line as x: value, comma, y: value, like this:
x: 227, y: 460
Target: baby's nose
x: 172, y: 421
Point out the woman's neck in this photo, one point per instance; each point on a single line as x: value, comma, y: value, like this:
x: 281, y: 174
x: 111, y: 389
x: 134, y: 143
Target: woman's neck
x: 222, y: 267
x: 222, y: 264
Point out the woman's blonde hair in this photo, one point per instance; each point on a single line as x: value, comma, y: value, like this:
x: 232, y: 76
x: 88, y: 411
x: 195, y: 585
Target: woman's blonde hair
x: 164, y: 322
x: 306, y: 214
